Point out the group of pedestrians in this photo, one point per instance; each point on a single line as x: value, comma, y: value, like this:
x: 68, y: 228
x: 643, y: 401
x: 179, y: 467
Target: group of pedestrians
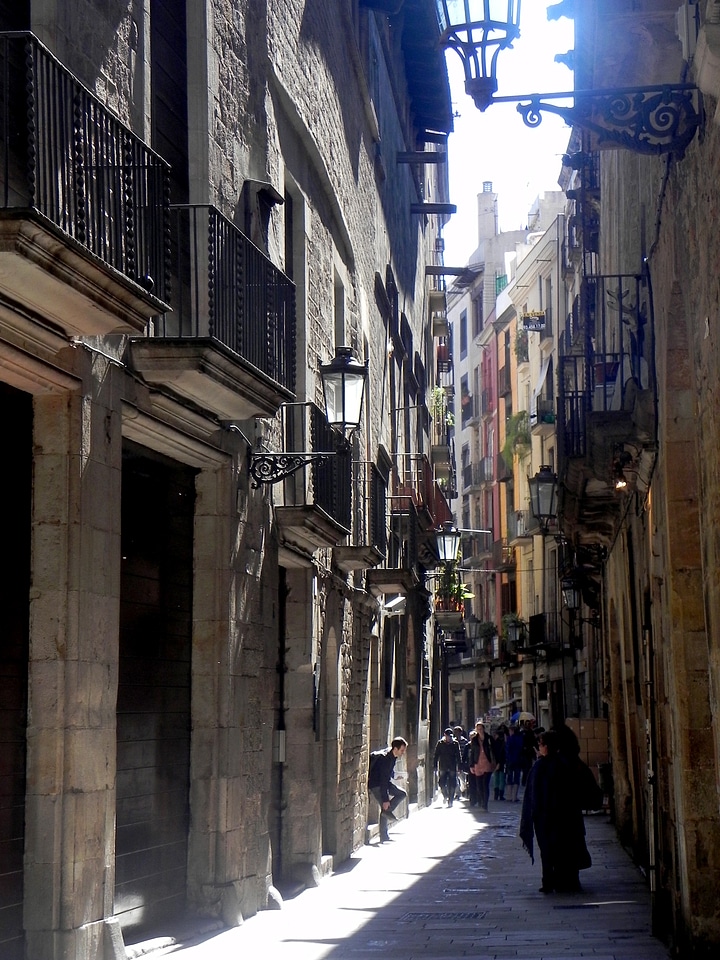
x: 482, y: 763
x: 558, y: 787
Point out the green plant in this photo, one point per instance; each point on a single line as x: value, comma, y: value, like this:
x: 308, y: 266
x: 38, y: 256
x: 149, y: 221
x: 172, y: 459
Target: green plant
x: 439, y: 410
x: 486, y: 631
x: 517, y: 436
x: 452, y: 587
x: 521, y: 346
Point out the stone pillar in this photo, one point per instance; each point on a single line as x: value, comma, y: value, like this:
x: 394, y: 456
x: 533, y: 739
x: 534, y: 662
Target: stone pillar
x: 74, y: 607
x: 301, y: 816
x: 233, y: 678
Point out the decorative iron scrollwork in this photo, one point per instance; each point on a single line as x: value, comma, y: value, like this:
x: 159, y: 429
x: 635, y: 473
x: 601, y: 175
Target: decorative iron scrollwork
x: 650, y: 120
x: 272, y: 467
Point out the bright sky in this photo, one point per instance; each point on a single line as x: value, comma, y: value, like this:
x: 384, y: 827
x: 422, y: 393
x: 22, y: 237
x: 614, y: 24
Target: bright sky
x: 496, y: 145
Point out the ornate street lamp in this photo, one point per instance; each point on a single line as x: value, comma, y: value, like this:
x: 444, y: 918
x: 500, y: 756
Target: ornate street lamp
x: 570, y: 593
x: 478, y: 30
x: 472, y: 630
x: 448, y: 542
x: 343, y: 381
x: 515, y: 633
x: 653, y: 119
x: 543, y: 496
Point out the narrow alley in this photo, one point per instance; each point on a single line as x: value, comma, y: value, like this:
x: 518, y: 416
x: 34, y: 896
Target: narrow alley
x: 451, y: 883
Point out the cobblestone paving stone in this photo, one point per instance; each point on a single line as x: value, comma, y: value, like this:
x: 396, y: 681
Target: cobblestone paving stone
x: 452, y: 883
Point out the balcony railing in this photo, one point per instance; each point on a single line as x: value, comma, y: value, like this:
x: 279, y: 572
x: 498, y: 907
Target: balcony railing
x: 369, y: 512
x: 402, y: 544
x: 469, y: 409
x: 224, y: 287
x: 504, y: 384
x: 521, y: 524
x: 613, y: 366
x: 476, y: 548
x: 544, y: 413
x: 415, y: 483
x: 503, y: 555
x: 64, y: 155
x: 476, y: 474
x: 325, y: 483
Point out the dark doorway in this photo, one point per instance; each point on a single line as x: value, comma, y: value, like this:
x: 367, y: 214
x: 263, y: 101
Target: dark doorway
x: 153, y: 711
x: 16, y: 497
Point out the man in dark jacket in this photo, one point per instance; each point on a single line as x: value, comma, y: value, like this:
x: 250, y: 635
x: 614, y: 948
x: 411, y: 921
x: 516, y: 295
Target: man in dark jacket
x: 380, y: 783
x: 446, y: 762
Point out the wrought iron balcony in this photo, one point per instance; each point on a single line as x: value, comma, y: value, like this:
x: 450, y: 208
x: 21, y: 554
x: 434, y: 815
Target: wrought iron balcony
x: 504, y: 381
x: 606, y: 409
x: 84, y: 215
x: 230, y: 339
x: 414, y: 482
x: 503, y: 555
x: 469, y: 409
x: 542, y: 418
x: 476, y: 549
x: 400, y: 572
x: 316, y: 509
x: 521, y: 525
x: 367, y: 544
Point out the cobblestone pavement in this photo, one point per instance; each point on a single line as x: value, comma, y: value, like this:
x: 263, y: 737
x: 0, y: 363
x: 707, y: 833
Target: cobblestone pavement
x: 452, y: 883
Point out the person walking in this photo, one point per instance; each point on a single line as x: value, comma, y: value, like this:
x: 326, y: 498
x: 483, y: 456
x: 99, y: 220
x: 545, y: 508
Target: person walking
x: 446, y: 763
x: 482, y: 764
x: 551, y: 811
x: 500, y: 756
x: 513, y: 762
x: 381, y: 786
x: 462, y: 740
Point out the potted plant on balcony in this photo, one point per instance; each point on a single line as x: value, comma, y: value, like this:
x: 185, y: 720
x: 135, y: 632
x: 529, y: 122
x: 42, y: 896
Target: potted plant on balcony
x: 450, y: 597
x: 487, y: 631
x: 443, y: 419
x: 517, y: 436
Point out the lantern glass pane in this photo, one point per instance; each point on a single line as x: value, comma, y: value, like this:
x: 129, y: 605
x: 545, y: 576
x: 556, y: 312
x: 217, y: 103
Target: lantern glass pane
x: 354, y: 388
x: 333, y: 388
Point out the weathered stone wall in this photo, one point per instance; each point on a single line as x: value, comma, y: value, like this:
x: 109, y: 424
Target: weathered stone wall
x: 104, y: 42
x: 667, y: 590
x: 277, y: 92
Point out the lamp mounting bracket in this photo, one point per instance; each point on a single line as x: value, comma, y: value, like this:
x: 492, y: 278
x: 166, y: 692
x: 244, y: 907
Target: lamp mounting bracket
x: 272, y: 467
x: 653, y: 120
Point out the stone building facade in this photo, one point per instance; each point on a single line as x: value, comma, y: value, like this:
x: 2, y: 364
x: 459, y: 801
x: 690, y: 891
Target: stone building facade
x: 200, y: 204
x: 643, y: 493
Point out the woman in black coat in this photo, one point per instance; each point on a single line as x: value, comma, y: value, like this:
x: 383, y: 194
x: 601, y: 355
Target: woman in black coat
x: 552, y: 811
